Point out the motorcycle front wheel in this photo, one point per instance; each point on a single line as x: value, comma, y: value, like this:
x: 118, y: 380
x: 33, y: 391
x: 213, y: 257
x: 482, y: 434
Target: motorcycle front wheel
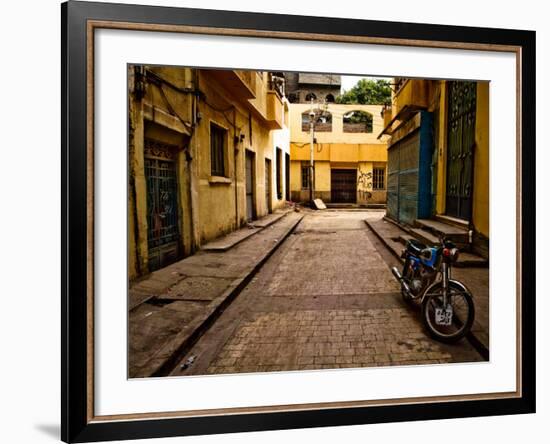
x: 463, y: 312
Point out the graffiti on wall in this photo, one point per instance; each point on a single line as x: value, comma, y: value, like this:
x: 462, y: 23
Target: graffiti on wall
x: 364, y: 185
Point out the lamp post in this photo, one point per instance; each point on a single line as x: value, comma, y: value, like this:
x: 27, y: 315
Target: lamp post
x: 312, y: 138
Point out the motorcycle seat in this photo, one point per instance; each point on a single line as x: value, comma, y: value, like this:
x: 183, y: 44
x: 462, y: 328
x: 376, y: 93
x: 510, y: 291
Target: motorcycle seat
x: 415, y: 247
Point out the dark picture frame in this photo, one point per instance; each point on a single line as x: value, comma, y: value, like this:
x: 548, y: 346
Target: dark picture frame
x: 79, y: 19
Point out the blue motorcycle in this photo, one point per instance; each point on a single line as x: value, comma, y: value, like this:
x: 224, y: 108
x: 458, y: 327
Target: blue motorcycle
x: 447, y: 305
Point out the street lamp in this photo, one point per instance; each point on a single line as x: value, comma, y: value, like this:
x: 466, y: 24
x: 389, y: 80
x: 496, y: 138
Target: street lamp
x: 312, y: 138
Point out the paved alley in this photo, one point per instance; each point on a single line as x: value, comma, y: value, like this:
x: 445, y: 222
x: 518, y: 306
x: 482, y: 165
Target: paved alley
x: 325, y: 299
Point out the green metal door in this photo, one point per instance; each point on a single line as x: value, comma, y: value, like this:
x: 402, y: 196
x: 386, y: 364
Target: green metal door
x: 434, y: 162
x: 460, y: 148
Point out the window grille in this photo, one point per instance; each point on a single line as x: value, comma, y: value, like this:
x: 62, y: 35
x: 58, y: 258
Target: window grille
x: 378, y: 179
x: 305, y: 176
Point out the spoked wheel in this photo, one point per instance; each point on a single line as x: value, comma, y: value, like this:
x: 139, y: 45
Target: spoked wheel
x: 460, y: 312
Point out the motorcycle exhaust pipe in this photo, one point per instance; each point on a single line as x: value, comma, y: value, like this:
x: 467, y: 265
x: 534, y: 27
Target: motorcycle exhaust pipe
x: 398, y: 276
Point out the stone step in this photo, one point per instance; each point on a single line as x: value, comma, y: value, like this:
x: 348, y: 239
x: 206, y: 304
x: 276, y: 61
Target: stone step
x: 465, y: 259
x: 460, y: 223
x: 389, y: 234
x: 404, y: 238
x: 451, y: 232
x: 425, y: 236
x: 395, y: 245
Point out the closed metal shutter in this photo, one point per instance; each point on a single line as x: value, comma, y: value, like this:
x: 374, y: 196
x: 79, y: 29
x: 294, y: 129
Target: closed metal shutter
x: 403, y: 160
x: 408, y: 178
x: 393, y: 183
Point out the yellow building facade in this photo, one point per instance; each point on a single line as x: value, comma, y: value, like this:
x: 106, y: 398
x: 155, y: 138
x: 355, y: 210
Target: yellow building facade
x: 202, y: 159
x: 447, y: 123
x: 349, y: 159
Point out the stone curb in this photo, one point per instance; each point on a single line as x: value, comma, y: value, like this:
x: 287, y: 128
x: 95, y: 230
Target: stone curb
x: 258, y: 226
x: 278, y: 216
x: 472, y: 338
x: 166, y: 358
x: 138, y: 296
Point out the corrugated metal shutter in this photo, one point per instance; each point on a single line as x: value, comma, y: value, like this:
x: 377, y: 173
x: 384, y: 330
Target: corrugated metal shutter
x: 402, y: 198
x: 392, y: 199
x: 408, y: 178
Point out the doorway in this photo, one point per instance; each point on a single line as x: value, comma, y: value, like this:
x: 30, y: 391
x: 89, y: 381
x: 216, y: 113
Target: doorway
x: 343, y: 186
x: 268, y: 185
x: 163, y: 220
x: 287, y: 177
x: 460, y: 149
x: 250, y: 162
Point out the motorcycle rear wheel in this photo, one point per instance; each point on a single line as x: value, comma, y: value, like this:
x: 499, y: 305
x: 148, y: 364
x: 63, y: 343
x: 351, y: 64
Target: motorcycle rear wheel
x: 463, y: 312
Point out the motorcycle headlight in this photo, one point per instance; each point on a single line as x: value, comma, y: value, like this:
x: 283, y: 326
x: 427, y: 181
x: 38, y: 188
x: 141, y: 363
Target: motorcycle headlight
x: 451, y: 253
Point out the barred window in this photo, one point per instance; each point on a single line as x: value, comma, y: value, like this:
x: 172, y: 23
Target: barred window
x: 378, y: 179
x: 217, y: 149
x: 305, y: 176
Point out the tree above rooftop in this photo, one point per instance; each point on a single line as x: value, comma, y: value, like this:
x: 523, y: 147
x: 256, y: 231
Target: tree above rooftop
x: 367, y: 92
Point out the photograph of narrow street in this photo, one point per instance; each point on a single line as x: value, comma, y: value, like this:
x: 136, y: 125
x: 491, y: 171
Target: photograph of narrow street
x: 283, y: 221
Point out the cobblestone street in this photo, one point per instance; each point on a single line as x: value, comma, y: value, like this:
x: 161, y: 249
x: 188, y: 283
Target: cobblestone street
x: 325, y: 299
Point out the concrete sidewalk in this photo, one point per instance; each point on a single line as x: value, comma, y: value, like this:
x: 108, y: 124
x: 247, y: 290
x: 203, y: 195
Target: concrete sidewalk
x: 475, y: 278
x: 171, y: 308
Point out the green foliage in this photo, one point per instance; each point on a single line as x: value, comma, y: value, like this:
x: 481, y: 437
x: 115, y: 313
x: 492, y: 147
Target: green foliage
x: 358, y: 117
x: 367, y: 92
x: 361, y: 120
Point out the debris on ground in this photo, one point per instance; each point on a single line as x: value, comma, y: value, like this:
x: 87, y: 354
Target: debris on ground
x: 318, y: 204
x: 188, y: 363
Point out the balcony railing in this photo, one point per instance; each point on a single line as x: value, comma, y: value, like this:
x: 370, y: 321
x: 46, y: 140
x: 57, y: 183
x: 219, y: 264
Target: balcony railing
x: 276, y: 83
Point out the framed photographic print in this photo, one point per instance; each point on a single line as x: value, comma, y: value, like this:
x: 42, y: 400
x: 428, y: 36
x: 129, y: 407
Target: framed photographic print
x: 276, y: 221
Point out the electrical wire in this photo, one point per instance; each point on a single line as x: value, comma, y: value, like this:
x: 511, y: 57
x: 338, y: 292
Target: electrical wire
x: 188, y: 125
x: 159, y: 81
x: 224, y: 111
